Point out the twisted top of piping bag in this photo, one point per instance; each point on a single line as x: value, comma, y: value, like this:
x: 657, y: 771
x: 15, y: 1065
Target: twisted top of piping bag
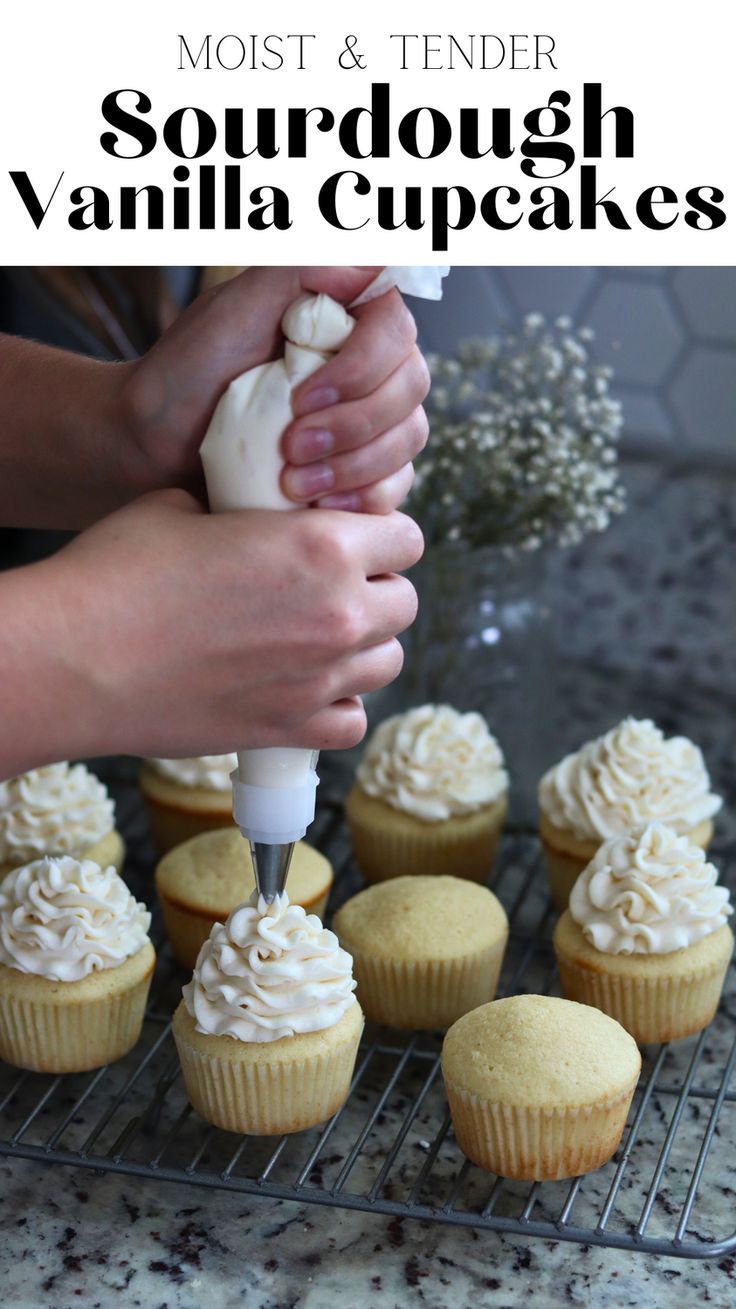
x: 421, y: 280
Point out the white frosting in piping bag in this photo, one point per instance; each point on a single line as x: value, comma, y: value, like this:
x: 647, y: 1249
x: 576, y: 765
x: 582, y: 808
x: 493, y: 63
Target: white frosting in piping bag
x: 242, y: 460
x: 65, y: 918
x: 270, y: 971
x: 241, y: 452
x: 649, y: 892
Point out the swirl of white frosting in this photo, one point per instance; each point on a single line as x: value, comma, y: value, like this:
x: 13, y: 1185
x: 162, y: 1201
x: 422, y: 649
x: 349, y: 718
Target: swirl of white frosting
x: 60, y: 809
x: 630, y: 776
x: 210, y: 771
x: 270, y: 971
x: 649, y: 892
x: 433, y: 762
x: 65, y: 918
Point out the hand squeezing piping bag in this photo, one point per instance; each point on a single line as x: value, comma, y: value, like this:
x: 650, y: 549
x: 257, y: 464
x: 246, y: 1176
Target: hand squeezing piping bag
x: 274, y: 789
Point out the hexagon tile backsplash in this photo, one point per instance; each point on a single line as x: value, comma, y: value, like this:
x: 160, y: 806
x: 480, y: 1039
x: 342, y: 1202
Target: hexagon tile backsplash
x: 669, y: 333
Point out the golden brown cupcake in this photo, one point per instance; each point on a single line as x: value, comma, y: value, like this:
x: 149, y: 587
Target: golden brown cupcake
x: 646, y: 937
x: 62, y: 809
x: 184, y: 797
x: 430, y: 797
x: 539, y: 1088
x: 75, y: 966
x: 268, y: 1029
x: 200, y: 882
x: 425, y: 949
x: 631, y: 776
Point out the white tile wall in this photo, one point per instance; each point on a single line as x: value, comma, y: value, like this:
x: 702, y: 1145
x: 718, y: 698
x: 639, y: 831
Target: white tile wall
x: 670, y: 334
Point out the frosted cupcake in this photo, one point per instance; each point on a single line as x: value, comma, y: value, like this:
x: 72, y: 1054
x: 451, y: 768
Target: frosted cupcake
x: 200, y: 882
x: 539, y: 1088
x: 62, y: 809
x: 430, y: 796
x: 184, y: 797
x: 646, y: 937
x: 631, y: 776
x: 425, y: 949
x: 268, y: 1029
x: 75, y: 966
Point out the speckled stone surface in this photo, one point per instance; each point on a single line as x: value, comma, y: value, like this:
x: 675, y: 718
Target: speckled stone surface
x: 75, y: 1239
x: 651, y: 608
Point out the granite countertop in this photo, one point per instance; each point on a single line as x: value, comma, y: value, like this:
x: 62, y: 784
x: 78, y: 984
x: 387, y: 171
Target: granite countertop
x: 72, y: 1236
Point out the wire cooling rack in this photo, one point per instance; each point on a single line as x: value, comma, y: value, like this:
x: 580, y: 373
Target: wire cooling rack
x: 390, y: 1149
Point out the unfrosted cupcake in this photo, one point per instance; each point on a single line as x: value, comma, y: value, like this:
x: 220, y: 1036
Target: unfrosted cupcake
x: 646, y: 937
x: 430, y: 796
x: 268, y: 1029
x: 425, y: 949
x: 62, y: 809
x: 184, y: 797
x: 200, y: 882
x: 628, y: 777
x: 539, y: 1088
x: 75, y: 966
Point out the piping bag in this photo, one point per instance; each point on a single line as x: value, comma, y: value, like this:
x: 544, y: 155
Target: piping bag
x: 274, y: 789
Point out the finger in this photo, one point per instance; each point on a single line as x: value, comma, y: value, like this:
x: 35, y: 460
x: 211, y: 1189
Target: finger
x: 394, y: 602
x: 338, y: 727
x: 343, y: 283
x: 379, y: 498
x: 346, y: 426
x: 387, y: 606
x: 380, y: 546
x: 369, y: 670
x: 385, y: 334
x: 382, y: 457
x: 172, y: 498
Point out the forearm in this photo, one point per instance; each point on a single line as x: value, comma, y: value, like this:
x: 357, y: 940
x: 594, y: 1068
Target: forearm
x: 67, y: 455
x: 47, y: 696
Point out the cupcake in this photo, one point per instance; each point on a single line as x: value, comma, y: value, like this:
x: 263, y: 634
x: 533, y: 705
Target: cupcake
x: 75, y: 966
x: 430, y: 797
x: 539, y: 1088
x: 425, y: 949
x: 646, y: 937
x: 268, y: 1029
x: 62, y: 809
x: 200, y: 882
x: 631, y: 776
x: 184, y: 797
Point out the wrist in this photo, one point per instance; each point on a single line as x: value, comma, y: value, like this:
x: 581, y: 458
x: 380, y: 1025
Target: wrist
x: 136, y: 471
x: 154, y: 417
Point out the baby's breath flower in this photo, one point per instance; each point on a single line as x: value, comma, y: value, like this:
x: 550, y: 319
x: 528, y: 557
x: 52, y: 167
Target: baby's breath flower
x: 523, y: 443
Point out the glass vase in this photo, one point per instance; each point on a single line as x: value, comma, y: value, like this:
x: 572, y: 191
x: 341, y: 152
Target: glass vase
x: 482, y: 640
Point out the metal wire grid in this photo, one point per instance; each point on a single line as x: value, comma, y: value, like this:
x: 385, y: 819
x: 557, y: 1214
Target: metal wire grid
x: 390, y: 1148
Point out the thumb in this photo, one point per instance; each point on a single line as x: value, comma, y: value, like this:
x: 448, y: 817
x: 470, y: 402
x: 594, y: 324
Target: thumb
x: 342, y: 283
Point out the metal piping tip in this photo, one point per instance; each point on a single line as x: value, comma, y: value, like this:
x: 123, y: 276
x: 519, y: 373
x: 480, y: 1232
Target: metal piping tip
x: 271, y: 867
